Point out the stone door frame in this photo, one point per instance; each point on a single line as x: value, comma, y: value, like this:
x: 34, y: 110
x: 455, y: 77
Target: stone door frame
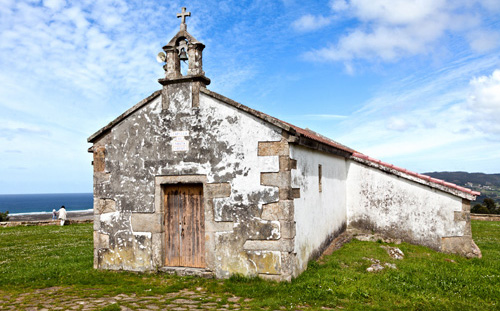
x: 211, y: 191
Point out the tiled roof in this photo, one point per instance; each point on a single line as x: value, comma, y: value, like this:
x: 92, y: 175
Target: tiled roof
x: 327, y: 141
x: 294, y: 130
x: 281, y: 124
x: 416, y: 175
x: 320, y: 138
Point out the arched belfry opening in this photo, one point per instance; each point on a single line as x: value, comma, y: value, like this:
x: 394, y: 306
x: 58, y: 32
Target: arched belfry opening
x: 183, y: 48
x: 183, y: 57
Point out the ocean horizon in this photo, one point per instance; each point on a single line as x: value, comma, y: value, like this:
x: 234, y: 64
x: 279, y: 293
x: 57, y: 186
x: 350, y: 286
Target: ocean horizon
x: 41, y: 203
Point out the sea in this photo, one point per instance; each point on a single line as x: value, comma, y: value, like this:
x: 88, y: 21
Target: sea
x: 22, y: 204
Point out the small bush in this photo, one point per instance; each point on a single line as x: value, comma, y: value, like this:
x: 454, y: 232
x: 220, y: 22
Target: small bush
x: 4, y: 216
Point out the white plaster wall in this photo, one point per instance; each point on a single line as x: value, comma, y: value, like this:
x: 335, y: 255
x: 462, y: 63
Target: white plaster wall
x: 243, y: 135
x: 400, y: 208
x: 223, y: 144
x: 222, y: 132
x: 318, y: 215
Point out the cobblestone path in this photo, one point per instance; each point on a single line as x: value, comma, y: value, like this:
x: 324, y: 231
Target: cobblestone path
x: 57, y: 298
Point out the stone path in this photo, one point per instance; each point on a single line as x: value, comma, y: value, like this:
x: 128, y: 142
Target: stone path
x: 57, y: 298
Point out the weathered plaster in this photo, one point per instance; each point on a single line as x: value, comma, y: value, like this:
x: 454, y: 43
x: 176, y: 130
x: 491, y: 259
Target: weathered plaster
x: 223, y: 145
x: 401, y: 208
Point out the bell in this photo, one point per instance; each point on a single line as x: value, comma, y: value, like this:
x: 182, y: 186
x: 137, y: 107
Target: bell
x: 183, y: 56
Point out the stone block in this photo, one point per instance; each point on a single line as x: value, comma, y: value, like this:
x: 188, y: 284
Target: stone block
x: 280, y: 179
x: 264, y: 230
x: 99, y: 158
x: 468, y: 229
x: 287, y: 263
x: 272, y: 211
x: 97, y: 222
x: 287, y: 229
x: 96, y: 239
x: 287, y: 164
x: 219, y: 226
x: 106, y: 206
x: 462, y: 245
x: 282, y: 210
x: 164, y: 98
x: 147, y: 222
x: 157, y: 246
x: 218, y: 190
x: 101, y: 240
x: 96, y: 258
x: 134, y: 255
x: 273, y: 148
x: 266, y: 262
x: 196, y: 94
x: 283, y: 245
x: 465, y: 205
x: 289, y: 193
x: 462, y: 216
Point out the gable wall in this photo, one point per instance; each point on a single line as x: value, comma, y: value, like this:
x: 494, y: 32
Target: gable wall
x: 399, y: 208
x: 319, y: 216
x: 224, y: 147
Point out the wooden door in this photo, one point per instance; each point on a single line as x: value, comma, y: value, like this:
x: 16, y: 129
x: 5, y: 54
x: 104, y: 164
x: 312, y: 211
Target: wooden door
x: 184, y: 226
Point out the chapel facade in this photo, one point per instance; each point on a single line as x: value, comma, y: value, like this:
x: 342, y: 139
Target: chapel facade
x: 192, y: 182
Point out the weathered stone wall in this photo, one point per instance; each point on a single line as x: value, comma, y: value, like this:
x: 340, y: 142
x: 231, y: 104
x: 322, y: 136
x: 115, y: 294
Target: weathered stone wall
x: 485, y: 217
x: 241, y: 179
x: 400, y: 208
x: 320, y: 212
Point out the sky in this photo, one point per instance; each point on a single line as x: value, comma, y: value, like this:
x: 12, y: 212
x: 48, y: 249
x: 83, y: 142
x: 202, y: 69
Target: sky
x: 413, y: 83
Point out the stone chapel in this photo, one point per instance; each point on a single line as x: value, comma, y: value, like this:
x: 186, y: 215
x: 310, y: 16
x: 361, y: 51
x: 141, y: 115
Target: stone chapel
x: 190, y: 181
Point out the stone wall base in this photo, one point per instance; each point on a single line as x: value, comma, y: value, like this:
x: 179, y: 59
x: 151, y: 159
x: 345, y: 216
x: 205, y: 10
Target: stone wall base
x: 186, y: 271
x: 461, y: 245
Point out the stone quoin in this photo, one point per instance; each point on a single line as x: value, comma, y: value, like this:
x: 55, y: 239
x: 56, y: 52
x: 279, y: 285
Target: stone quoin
x: 190, y: 181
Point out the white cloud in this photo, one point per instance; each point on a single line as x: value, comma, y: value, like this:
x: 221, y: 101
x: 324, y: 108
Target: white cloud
x: 388, y: 30
x: 396, y: 12
x: 54, y: 4
x: 68, y: 69
x: 484, y: 104
x: 484, y: 40
x: 310, y: 22
x: 493, y: 5
x: 339, y: 5
x: 441, y: 119
x: 398, y: 124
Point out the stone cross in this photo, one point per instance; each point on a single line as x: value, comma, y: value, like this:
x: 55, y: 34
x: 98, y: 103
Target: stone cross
x: 183, y: 15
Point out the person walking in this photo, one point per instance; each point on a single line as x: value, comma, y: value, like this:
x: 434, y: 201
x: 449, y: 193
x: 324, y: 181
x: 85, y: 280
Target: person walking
x: 54, y: 214
x: 62, y: 215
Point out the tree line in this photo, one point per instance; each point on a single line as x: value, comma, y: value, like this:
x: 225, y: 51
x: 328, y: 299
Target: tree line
x: 488, y: 207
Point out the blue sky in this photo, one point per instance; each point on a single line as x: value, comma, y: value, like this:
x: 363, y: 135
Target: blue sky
x: 413, y: 83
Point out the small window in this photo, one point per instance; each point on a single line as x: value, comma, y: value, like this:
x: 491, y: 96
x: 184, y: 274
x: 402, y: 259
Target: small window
x: 320, y: 173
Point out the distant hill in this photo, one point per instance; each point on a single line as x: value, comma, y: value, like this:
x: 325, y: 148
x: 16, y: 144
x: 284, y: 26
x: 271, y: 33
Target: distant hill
x: 487, y: 184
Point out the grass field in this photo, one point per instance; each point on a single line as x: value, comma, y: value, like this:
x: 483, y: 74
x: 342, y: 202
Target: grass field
x: 60, y: 258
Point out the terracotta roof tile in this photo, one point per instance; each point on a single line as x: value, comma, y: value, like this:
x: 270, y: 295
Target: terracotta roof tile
x: 290, y: 128
x: 423, y: 177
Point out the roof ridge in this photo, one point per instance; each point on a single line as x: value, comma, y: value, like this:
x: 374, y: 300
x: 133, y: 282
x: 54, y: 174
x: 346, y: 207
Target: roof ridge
x: 293, y: 129
x: 416, y: 175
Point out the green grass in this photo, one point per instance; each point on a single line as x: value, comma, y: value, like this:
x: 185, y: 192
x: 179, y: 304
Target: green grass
x: 41, y: 257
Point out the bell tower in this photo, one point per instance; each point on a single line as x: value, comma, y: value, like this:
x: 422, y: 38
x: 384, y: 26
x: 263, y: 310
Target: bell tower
x: 183, y: 47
